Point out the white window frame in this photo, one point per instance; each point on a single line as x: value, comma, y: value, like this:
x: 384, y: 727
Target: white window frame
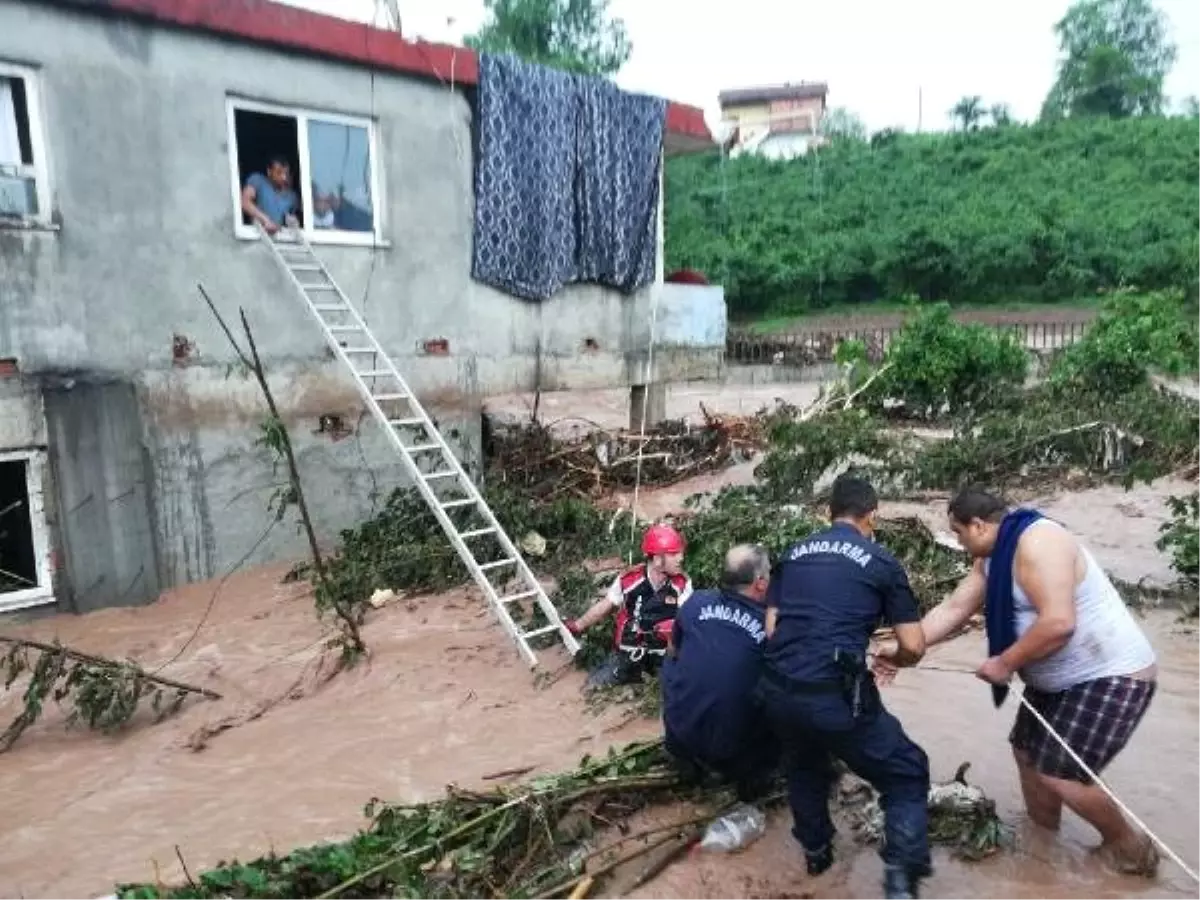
x: 35, y: 462
x: 302, y: 115
x: 40, y: 169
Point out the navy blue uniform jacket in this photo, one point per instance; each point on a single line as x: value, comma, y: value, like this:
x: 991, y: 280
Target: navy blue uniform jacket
x: 707, y: 687
x: 831, y: 591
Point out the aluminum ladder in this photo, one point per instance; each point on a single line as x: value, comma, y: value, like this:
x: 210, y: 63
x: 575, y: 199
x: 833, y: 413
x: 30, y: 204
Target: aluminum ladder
x: 446, y: 488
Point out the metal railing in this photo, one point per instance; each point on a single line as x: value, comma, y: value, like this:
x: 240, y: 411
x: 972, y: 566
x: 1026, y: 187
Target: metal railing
x: 807, y: 347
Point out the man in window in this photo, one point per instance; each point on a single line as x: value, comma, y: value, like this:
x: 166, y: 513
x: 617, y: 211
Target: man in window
x: 269, y: 199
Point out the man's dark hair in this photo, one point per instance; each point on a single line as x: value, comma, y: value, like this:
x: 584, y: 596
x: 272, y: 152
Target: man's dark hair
x: 743, y: 565
x: 278, y: 161
x: 973, y: 502
x: 852, y: 497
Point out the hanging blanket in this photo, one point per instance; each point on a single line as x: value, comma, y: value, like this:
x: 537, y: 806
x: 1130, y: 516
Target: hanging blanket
x: 524, y: 178
x: 619, y: 145
x: 566, y: 181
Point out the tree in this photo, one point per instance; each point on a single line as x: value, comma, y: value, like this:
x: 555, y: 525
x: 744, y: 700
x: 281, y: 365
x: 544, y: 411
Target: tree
x: 572, y: 35
x: 968, y: 111
x: 842, y: 123
x: 1115, y: 57
x: 1189, y: 106
x: 1001, y: 114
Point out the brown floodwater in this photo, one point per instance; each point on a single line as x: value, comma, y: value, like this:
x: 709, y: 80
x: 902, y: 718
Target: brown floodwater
x: 445, y: 699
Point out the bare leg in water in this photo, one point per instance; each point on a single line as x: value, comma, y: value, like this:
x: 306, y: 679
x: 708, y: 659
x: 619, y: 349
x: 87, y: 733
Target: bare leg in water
x: 1043, y: 804
x: 1128, y: 850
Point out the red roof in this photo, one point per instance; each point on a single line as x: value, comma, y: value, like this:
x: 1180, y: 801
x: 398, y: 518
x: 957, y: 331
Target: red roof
x: 274, y: 24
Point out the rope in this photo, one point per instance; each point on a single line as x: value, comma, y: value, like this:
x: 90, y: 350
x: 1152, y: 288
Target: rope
x: 1087, y: 770
x: 1107, y: 790
x: 648, y: 373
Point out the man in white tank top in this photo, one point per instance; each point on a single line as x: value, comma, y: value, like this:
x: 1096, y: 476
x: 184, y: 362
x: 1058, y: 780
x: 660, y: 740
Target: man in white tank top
x: 1087, y: 666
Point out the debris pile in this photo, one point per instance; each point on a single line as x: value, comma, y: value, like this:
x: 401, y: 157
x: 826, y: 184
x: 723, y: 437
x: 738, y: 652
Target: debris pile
x: 531, y: 457
x: 550, y: 837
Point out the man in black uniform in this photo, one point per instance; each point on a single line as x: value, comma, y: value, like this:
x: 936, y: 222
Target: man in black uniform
x: 827, y: 596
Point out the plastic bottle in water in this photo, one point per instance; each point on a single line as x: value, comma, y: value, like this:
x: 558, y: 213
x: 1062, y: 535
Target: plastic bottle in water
x: 736, y: 830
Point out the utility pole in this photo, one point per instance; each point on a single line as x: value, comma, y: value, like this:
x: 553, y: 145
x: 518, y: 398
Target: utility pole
x: 391, y: 13
x: 920, y: 108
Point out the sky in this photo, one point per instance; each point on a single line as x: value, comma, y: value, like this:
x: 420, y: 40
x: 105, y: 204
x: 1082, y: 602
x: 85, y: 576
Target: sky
x: 894, y: 64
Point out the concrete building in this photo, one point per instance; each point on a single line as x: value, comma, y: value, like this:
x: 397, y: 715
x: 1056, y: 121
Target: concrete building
x: 778, y: 121
x: 129, y: 460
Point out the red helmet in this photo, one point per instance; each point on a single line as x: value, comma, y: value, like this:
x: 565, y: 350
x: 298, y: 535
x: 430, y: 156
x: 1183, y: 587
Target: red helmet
x: 660, y: 539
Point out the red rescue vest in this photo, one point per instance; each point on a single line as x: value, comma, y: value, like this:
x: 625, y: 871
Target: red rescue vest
x: 643, y: 607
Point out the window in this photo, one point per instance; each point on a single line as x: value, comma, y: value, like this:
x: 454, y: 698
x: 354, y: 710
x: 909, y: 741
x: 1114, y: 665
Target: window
x: 24, y: 554
x: 24, y: 196
x: 332, y: 185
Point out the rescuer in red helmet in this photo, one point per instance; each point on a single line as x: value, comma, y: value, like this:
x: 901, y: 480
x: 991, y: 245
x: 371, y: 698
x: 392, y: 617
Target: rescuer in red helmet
x: 645, y: 599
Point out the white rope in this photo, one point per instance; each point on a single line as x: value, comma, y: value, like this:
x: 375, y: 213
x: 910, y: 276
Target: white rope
x: 648, y: 373
x: 1087, y: 770
x: 1112, y: 796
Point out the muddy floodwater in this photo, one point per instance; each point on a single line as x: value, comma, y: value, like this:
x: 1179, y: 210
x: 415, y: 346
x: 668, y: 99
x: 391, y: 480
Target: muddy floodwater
x: 286, y: 759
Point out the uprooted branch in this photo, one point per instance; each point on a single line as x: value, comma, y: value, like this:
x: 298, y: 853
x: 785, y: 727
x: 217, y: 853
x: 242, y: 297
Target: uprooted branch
x: 104, y: 693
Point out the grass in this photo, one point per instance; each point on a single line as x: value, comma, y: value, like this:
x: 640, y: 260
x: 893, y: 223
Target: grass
x: 846, y: 314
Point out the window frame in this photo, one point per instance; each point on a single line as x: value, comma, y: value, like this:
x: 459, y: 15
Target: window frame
x: 303, y: 115
x: 43, y: 594
x: 40, y: 168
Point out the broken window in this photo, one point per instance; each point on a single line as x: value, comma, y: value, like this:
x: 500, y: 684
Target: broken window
x: 332, y: 165
x: 22, y: 166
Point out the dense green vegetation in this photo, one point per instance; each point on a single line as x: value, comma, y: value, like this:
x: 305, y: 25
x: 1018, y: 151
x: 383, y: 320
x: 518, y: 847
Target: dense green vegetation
x: 1010, y: 213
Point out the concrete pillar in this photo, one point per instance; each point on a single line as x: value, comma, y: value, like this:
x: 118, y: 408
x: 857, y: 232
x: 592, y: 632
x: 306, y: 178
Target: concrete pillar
x: 652, y: 398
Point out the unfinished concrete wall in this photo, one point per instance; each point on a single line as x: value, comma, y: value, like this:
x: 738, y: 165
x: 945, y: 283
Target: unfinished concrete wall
x: 104, y: 483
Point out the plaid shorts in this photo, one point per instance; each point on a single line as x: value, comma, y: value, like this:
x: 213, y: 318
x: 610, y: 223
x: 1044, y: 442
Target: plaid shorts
x: 1096, y: 718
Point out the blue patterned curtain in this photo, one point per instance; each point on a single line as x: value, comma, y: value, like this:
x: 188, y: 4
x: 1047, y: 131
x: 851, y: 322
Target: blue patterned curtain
x: 566, y: 180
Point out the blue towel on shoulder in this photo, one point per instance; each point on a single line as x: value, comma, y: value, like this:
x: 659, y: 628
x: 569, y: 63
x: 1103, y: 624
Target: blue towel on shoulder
x: 1000, y: 612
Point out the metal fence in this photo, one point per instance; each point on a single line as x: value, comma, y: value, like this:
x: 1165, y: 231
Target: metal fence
x: 814, y: 346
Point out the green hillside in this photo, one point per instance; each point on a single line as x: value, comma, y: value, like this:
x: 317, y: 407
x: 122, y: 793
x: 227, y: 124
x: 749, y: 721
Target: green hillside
x: 1007, y: 214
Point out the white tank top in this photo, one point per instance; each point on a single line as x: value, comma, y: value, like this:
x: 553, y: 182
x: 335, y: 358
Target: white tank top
x: 1107, y: 640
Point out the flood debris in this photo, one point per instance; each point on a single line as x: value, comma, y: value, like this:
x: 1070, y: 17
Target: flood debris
x: 104, y: 694
x: 544, y: 465
x: 557, y: 835
x: 961, y: 816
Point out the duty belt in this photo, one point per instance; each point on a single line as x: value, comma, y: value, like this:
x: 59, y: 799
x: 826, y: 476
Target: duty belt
x: 802, y: 687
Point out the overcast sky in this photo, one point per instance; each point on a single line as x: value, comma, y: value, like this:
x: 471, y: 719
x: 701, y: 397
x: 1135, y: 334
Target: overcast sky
x: 885, y: 60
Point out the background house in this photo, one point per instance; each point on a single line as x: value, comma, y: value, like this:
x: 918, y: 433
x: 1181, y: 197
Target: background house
x: 777, y: 121
x: 128, y: 454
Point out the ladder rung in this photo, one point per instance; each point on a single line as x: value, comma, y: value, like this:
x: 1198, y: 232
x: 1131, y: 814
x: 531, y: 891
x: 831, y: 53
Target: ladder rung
x: 454, y: 504
x: 302, y: 267
x: 344, y: 328
x: 390, y: 396
x: 359, y: 350
x: 512, y: 598
x: 318, y: 287
x: 546, y: 629
x: 405, y: 423
x: 376, y: 373
x: 422, y: 448
x: 508, y: 561
x: 476, y: 533
x: 448, y: 473
x: 330, y: 307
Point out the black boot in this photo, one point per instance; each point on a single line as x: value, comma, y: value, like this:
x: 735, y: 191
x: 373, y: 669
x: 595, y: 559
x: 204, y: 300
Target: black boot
x: 819, y: 862
x: 898, y: 883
